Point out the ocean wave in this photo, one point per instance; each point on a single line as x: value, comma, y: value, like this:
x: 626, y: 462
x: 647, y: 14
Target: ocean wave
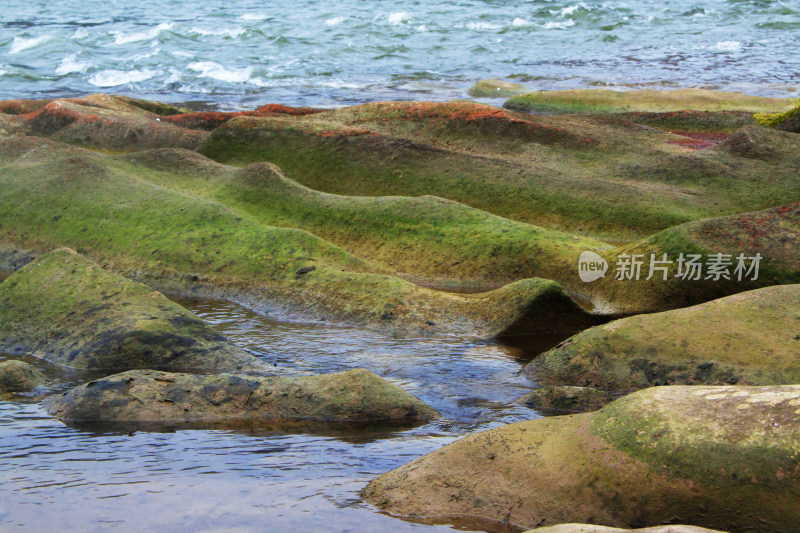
x: 113, y: 78
x: 209, y: 69
x: 398, y: 17
x: 569, y: 10
x: 22, y: 43
x: 125, y: 38
x: 233, y: 33
x: 521, y: 23
x: 482, y: 26
x: 254, y: 16
x: 335, y: 21
x: 558, y: 25
x: 70, y: 64
x: 80, y: 33
x: 728, y: 46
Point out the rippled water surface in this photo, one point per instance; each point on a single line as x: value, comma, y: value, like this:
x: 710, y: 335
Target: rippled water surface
x: 55, y: 477
x: 239, y: 53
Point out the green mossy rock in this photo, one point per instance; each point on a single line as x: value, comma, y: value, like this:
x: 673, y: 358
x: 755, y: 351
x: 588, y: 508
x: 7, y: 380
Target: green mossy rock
x: 18, y: 376
x: 565, y: 398
x: 773, y: 234
x: 492, y: 88
x: 718, y: 457
x: 610, y: 101
x: 624, y: 177
x: 151, y: 396
x: 751, y: 338
x: 107, y: 208
x: 67, y: 310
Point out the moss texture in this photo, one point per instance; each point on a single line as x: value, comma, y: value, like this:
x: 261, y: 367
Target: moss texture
x: 609, y: 101
x: 718, y: 457
x: 492, y: 88
x: 146, y: 396
x: 176, y: 239
x: 18, y: 376
x: 751, y: 338
x: 66, y: 309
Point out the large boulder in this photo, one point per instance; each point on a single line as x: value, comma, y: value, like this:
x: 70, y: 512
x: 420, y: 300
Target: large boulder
x: 751, y: 338
x: 66, y: 309
x: 492, y: 88
x: 19, y: 376
x: 587, y: 528
x: 717, y: 457
x: 152, y: 396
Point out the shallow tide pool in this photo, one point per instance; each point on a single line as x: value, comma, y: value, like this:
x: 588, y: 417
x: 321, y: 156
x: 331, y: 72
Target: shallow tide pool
x: 56, y: 477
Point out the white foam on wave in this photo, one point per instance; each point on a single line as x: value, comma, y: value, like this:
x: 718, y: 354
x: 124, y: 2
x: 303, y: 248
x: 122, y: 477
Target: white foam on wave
x: 3, y: 70
x: 569, y: 10
x: 482, y: 26
x: 521, y: 23
x: 558, y: 25
x: 210, y: 69
x: 71, y: 64
x: 422, y: 28
x: 80, y: 33
x: 22, y: 43
x: 728, y: 46
x: 125, y: 38
x: 253, y: 16
x: 335, y: 21
x: 112, y: 78
x: 398, y: 17
x: 233, y: 33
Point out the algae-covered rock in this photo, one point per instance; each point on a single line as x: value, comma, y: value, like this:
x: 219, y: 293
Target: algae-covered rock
x: 66, y: 309
x: 126, y: 216
x: 700, y: 261
x: 718, y: 457
x: 586, y: 528
x: 146, y: 395
x: 19, y: 376
x: 566, y: 398
x: 751, y: 338
x: 492, y: 88
x: 610, y: 101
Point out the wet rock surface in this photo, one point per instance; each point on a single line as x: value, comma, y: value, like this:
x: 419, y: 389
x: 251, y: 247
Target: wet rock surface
x: 152, y: 396
x: 716, y: 457
x: 18, y: 376
x: 566, y: 399
x: 67, y: 310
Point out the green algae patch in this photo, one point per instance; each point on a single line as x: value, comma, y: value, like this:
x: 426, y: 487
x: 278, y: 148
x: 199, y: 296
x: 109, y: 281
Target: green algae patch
x: 151, y: 396
x: 491, y: 88
x: 723, y: 458
x: 750, y: 338
x: 67, y: 310
x: 178, y: 240
x: 608, y: 176
x: 18, y: 376
x: 426, y: 239
x: 565, y: 398
x: 775, y: 120
x: 609, y: 101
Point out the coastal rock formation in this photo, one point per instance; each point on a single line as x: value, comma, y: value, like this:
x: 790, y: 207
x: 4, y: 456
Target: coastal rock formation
x: 492, y: 88
x: 19, y: 376
x: 586, y: 528
x: 718, y: 457
x: 66, y: 309
x: 565, y: 398
x: 611, y: 101
x: 750, y: 338
x: 151, y: 396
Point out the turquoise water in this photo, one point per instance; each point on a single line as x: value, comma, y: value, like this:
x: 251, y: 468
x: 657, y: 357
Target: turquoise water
x: 232, y: 54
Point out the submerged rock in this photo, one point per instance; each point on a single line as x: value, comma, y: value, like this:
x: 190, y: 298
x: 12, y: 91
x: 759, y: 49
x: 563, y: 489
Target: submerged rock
x: 492, y: 88
x: 717, y: 457
x: 586, y: 528
x: 146, y: 395
x: 19, y: 376
x: 566, y: 398
x: 751, y: 338
x: 66, y: 309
